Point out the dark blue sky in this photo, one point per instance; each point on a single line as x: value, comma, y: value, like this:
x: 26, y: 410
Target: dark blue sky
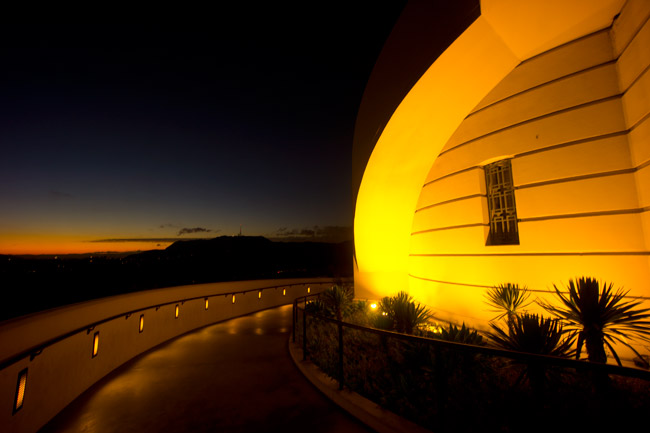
x: 133, y: 127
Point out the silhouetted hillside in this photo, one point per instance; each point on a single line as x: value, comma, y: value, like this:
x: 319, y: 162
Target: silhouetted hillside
x: 34, y: 283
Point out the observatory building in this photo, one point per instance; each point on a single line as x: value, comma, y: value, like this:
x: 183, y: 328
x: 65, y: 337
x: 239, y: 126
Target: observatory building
x: 505, y: 141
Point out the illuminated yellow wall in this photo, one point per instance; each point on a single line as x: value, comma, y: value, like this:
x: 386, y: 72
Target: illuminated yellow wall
x: 563, y: 93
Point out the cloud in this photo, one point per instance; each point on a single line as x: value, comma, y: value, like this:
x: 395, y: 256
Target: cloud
x: 187, y: 230
x: 137, y: 240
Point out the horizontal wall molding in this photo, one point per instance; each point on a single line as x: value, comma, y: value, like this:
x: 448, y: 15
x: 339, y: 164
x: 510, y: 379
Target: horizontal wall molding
x: 476, y: 286
x: 621, y: 133
x: 467, y: 197
x: 534, y: 119
x: 586, y: 214
x: 632, y: 37
x: 566, y: 44
x: 537, y: 254
x: 483, y: 286
x: 637, y: 78
x: 624, y: 132
x: 543, y: 218
x: 544, y: 84
x: 563, y: 46
x: 577, y: 178
x: 641, y: 120
x: 462, y: 226
x: 455, y: 173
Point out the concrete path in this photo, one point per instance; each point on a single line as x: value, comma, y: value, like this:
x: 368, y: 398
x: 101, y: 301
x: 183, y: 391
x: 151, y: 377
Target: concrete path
x: 235, y: 376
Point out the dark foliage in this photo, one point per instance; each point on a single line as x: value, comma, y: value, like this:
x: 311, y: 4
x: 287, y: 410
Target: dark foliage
x: 601, y: 317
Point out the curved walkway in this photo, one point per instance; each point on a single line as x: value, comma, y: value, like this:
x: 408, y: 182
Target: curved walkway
x: 235, y: 376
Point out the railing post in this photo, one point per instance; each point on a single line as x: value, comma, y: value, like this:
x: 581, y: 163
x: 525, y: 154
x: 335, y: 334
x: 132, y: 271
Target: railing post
x: 304, y: 332
x: 340, y: 355
x: 293, y: 320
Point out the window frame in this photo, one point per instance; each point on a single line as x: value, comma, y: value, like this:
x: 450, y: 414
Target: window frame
x: 503, y: 227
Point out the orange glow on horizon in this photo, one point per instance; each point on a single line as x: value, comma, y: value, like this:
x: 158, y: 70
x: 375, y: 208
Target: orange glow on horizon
x: 36, y: 244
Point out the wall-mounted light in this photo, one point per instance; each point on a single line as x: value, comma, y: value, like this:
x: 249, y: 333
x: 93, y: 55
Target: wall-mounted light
x: 233, y: 298
x: 206, y: 303
x: 95, y: 343
x: 176, y: 312
x: 20, y: 390
x: 259, y: 295
x: 141, y: 328
x: 284, y: 292
x: 308, y: 289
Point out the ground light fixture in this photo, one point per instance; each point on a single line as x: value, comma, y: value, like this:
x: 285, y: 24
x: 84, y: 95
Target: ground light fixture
x: 21, y: 386
x: 141, y: 327
x: 95, y: 344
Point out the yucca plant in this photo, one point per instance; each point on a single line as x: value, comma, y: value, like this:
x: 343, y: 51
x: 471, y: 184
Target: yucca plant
x: 405, y: 314
x: 507, y: 300
x: 537, y: 335
x: 532, y: 333
x: 337, y: 300
x: 463, y: 335
x: 601, y: 317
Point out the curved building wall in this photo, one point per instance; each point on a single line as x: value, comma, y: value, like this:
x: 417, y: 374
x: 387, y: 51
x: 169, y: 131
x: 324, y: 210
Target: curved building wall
x: 55, y: 347
x: 557, y: 91
x: 573, y: 121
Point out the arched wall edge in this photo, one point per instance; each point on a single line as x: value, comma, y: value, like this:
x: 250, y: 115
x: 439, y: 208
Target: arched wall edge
x: 455, y: 83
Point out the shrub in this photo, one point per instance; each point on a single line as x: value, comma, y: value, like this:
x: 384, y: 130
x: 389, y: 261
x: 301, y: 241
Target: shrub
x: 404, y: 314
x: 532, y: 333
x: 463, y: 335
x: 337, y: 300
x: 600, y: 317
x: 507, y: 300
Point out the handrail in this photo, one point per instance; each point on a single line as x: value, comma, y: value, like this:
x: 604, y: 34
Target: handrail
x: 35, y: 350
x: 520, y: 356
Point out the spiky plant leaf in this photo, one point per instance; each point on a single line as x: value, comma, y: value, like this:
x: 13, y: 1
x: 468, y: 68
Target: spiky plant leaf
x: 600, y: 316
x: 507, y: 299
x: 463, y: 335
x: 405, y: 314
x: 337, y: 299
x: 532, y: 333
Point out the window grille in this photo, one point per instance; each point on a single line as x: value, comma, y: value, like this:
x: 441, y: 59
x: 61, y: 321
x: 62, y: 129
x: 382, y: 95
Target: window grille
x: 501, y: 204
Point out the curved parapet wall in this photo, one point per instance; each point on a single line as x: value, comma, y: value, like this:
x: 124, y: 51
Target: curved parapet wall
x: 48, y: 359
x: 558, y: 92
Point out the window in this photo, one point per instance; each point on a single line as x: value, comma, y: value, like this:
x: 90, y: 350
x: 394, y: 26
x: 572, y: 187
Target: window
x: 501, y: 204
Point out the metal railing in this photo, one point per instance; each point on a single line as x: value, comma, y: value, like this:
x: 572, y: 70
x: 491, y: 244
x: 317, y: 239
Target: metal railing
x: 527, y: 381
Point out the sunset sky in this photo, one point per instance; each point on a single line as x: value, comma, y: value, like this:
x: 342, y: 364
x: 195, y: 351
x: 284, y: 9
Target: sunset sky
x: 124, y: 134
